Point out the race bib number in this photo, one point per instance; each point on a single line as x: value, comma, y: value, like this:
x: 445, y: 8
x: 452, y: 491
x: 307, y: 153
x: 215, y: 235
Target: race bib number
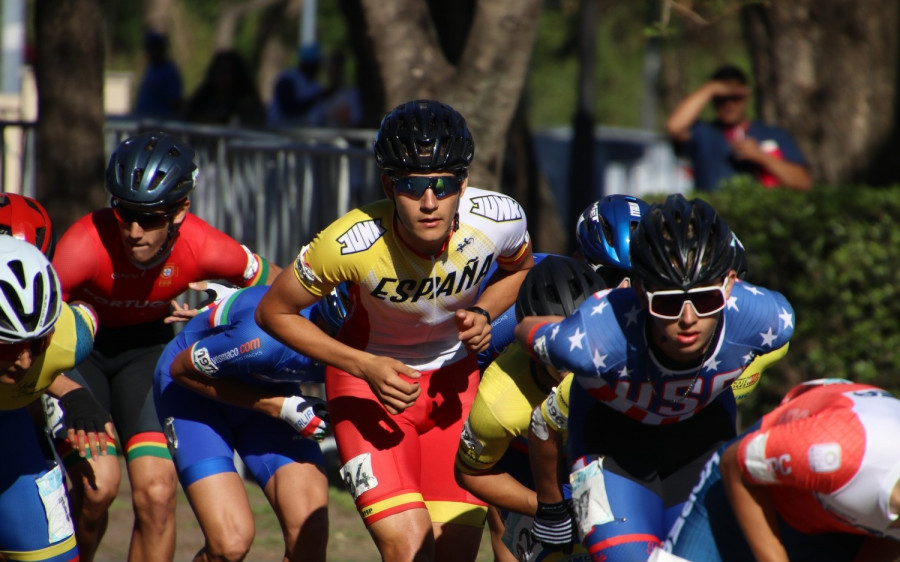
x: 56, y: 505
x: 589, y: 497
x: 358, y: 476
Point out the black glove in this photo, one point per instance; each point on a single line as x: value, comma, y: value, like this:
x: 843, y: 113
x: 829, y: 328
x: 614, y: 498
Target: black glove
x: 553, y: 526
x: 81, y: 411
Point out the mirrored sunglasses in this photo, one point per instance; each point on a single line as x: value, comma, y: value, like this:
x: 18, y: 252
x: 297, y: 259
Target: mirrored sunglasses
x: 145, y: 220
x: 416, y: 186
x: 669, y: 305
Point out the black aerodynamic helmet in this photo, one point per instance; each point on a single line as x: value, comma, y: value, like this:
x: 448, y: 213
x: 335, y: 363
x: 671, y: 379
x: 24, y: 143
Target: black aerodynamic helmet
x: 151, y: 171
x: 556, y: 286
x: 681, y: 244
x: 740, y: 259
x: 424, y: 136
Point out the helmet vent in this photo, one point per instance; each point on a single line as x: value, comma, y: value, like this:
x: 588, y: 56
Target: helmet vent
x: 158, y: 178
x: 29, y: 319
x: 17, y: 269
x: 136, y: 179
x: 151, y: 145
x: 607, y: 232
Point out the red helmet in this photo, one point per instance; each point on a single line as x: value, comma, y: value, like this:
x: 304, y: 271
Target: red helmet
x: 26, y: 219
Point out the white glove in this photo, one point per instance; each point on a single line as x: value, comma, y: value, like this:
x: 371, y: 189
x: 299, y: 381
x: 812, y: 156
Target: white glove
x: 307, y: 415
x: 216, y: 292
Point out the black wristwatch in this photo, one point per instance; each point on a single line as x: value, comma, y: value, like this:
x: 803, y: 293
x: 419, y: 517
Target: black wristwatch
x: 480, y: 311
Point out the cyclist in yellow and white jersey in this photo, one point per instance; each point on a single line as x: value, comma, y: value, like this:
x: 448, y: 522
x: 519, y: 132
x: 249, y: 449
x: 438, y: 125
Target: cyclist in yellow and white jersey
x: 402, y: 371
x: 492, y: 458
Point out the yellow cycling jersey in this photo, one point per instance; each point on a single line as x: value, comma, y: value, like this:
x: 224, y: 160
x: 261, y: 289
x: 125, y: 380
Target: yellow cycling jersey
x: 71, y: 342
x: 404, y: 302
x: 501, y: 411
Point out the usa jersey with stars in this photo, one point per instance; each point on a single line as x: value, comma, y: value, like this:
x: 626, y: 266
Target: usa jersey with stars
x: 604, y: 343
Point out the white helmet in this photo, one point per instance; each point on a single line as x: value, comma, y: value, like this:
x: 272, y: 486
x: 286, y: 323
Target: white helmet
x: 30, y: 294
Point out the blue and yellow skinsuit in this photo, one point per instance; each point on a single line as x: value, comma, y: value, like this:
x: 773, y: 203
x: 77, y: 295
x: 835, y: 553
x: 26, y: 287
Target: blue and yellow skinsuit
x: 35, y: 523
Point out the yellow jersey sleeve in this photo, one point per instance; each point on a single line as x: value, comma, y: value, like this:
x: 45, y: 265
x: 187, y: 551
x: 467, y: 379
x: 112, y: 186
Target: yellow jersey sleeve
x: 555, y: 408
x: 71, y: 342
x: 500, y: 413
x: 749, y: 378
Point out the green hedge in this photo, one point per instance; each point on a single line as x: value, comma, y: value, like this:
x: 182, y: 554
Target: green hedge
x: 834, y: 253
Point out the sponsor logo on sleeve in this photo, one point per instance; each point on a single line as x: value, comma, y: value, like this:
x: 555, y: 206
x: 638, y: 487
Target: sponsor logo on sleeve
x: 540, y: 349
x: 497, y: 208
x: 252, y: 264
x: 304, y: 271
x: 473, y: 447
x: 825, y: 457
x: 361, y: 236
x: 203, y: 362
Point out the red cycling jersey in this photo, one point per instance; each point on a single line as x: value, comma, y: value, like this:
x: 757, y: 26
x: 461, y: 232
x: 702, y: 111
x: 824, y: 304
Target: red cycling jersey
x: 832, y: 455
x: 94, y: 267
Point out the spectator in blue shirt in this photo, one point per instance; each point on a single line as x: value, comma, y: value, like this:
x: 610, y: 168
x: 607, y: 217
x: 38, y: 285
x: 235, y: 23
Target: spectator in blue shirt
x: 161, y: 90
x: 733, y: 143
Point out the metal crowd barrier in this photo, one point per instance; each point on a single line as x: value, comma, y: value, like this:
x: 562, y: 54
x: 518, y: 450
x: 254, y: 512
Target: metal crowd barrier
x: 272, y: 190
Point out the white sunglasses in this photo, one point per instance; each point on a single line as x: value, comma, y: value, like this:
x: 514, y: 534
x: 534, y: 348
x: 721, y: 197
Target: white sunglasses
x: 669, y: 304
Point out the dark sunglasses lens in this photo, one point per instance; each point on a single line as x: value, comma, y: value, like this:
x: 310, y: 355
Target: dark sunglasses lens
x: 11, y: 351
x: 145, y: 220
x: 707, y: 302
x: 668, y: 305
x: 416, y: 186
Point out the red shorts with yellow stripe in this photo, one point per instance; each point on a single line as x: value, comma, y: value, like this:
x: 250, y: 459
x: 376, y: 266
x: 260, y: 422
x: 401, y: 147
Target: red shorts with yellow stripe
x: 394, y: 463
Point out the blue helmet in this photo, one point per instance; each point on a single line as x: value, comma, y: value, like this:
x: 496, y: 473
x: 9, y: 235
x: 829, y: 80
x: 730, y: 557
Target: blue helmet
x: 151, y: 171
x: 604, y: 230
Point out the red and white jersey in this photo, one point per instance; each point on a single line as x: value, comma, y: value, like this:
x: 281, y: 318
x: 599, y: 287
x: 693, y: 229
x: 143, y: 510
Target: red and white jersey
x: 93, y: 266
x: 404, y: 301
x: 832, y: 450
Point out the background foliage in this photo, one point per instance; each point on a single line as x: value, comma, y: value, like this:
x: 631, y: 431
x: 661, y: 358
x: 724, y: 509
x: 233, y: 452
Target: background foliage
x: 833, y: 252
x: 621, y: 36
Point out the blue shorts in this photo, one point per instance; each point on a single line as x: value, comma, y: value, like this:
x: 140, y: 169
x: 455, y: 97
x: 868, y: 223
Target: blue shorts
x: 204, y: 434
x: 31, y: 527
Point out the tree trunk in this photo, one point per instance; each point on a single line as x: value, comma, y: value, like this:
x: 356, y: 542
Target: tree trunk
x: 69, y: 75
x: 828, y: 72
x: 484, y: 86
x: 368, y: 76
x: 582, y: 191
